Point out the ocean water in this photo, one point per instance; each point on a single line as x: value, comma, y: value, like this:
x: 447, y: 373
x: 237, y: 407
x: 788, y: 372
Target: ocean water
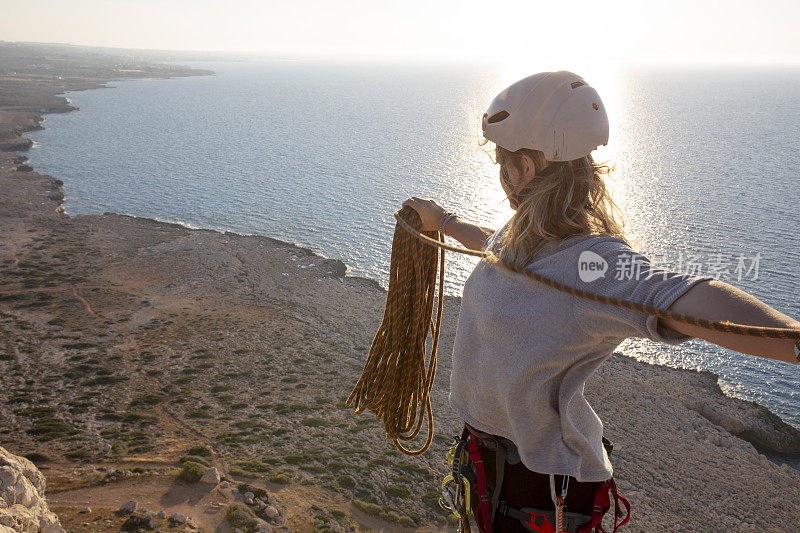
x: 322, y: 154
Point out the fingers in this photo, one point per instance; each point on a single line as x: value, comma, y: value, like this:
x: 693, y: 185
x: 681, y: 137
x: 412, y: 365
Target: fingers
x: 415, y: 200
x: 413, y: 205
x: 421, y: 204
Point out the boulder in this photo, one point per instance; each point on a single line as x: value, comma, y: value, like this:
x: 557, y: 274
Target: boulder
x: 23, y: 507
x: 128, y: 507
x: 139, y: 520
x: 177, y: 518
x: 211, y: 476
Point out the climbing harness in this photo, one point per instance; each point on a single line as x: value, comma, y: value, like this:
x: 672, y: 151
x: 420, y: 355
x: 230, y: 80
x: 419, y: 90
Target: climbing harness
x: 467, y: 482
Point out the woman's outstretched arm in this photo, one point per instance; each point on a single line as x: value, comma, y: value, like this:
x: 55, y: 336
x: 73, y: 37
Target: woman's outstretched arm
x: 716, y: 300
x: 430, y: 213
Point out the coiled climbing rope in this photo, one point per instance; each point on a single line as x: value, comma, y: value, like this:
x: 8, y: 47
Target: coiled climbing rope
x: 395, y: 384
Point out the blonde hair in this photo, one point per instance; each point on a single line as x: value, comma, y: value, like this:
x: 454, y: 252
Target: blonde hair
x: 572, y: 199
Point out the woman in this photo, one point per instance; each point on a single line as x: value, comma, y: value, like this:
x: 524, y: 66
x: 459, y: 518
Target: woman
x: 523, y: 351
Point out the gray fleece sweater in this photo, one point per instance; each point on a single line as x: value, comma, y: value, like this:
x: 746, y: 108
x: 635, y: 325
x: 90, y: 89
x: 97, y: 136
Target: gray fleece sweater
x: 523, y: 351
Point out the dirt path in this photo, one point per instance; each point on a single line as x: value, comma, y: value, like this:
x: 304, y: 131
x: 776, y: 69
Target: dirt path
x: 85, y: 303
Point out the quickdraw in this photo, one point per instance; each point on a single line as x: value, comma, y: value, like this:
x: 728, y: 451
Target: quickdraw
x: 458, y: 485
x: 558, y: 499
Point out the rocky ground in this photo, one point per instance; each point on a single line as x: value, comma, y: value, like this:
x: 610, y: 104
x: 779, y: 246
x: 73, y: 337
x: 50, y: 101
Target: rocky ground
x: 135, y: 355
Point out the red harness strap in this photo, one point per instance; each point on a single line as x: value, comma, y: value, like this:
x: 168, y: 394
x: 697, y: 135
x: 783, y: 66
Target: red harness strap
x: 602, y: 503
x: 484, y: 507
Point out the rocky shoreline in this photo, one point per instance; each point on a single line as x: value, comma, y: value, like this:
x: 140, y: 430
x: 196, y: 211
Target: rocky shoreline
x: 125, y: 341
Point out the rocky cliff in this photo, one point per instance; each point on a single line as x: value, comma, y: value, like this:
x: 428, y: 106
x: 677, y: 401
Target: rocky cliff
x: 23, y: 507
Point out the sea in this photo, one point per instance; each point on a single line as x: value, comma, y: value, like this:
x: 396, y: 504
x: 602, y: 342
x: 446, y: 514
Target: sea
x: 322, y: 153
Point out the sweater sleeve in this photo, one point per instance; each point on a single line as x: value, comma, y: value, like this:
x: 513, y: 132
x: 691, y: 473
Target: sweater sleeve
x: 610, y: 267
x: 491, y: 242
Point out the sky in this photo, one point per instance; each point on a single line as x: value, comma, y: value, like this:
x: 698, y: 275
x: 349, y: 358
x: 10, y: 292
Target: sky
x: 656, y: 32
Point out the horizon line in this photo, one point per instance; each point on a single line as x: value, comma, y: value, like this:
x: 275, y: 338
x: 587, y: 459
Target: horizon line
x: 392, y: 57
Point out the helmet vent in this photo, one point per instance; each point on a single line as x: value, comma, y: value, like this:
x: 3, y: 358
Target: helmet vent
x: 576, y: 84
x: 497, y: 117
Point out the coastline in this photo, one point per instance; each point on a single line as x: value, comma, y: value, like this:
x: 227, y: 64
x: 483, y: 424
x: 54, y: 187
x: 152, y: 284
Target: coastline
x: 677, y: 434
x: 309, y: 249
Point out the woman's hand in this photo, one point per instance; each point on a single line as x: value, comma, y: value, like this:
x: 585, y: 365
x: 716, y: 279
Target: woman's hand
x: 429, y: 211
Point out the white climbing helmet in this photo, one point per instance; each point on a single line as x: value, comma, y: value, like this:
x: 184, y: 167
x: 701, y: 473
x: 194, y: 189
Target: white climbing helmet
x: 557, y: 113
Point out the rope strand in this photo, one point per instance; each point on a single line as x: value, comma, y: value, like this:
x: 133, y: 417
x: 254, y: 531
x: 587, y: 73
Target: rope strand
x: 725, y: 326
